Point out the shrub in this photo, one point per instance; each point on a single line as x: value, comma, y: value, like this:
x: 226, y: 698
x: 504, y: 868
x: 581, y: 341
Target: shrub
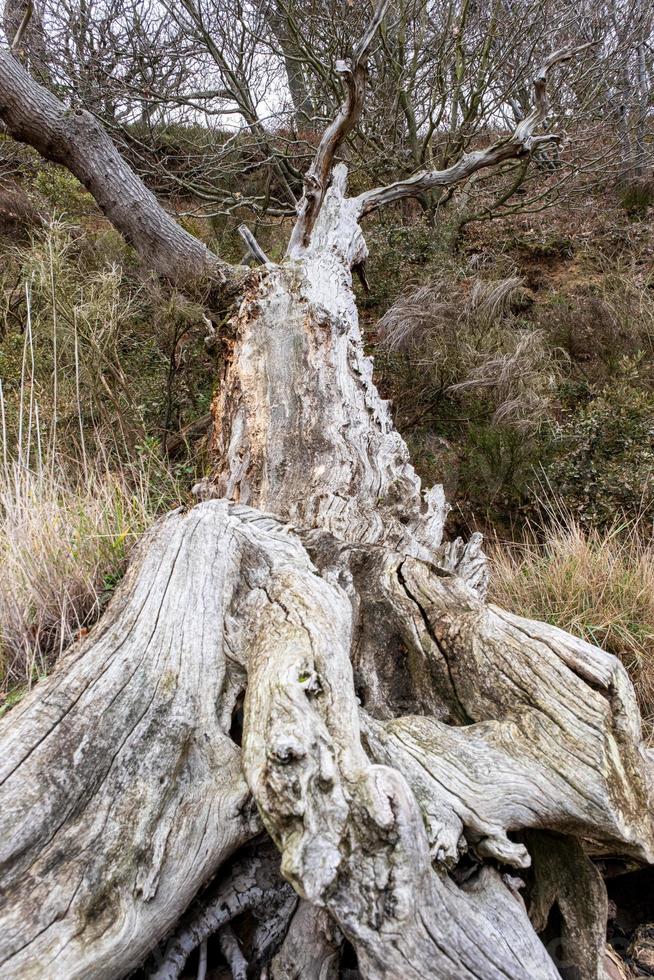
x: 18, y: 213
x: 469, y: 337
x: 403, y: 245
x: 603, y: 456
x: 599, y: 586
x: 112, y: 358
x: 469, y: 369
x: 62, y: 191
x: 80, y: 324
x: 637, y: 197
x: 600, y: 322
x: 498, y: 468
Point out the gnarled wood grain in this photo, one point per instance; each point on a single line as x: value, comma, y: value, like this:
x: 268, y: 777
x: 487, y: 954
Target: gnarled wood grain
x: 402, y: 740
x: 120, y: 788
x: 299, y: 427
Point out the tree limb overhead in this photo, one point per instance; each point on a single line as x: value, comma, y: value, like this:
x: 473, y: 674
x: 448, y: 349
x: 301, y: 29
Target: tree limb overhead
x: 520, y: 144
x: 317, y: 178
x: 74, y: 138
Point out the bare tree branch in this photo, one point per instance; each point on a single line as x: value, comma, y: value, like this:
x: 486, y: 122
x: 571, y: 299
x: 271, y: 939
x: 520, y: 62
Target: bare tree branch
x: 316, y: 180
x: 253, y: 246
x: 22, y: 27
x: 252, y: 882
x: 74, y: 138
x: 521, y: 143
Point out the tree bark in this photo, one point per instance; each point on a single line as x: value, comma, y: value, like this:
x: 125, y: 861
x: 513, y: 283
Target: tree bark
x: 75, y: 139
x: 278, y: 18
x: 409, y: 750
x: 395, y: 727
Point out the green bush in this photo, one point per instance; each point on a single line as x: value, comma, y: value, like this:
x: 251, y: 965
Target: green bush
x: 469, y: 373
x: 498, y: 470
x: 603, y: 457
x: 403, y: 249
x: 128, y: 357
x: 62, y: 191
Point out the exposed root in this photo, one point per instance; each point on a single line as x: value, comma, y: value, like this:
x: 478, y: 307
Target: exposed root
x: 202, y: 963
x: 529, y: 729
x: 121, y: 791
x: 568, y: 905
x: 231, y: 950
x: 253, y: 884
x: 311, y: 948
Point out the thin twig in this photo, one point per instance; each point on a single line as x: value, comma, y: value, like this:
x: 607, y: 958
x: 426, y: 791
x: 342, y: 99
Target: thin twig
x: 22, y: 27
x: 253, y: 246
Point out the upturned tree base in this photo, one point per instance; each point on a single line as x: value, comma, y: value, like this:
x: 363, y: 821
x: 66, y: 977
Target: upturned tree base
x: 298, y: 726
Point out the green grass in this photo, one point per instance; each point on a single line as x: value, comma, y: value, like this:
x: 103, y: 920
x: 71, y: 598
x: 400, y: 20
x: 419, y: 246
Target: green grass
x: 74, y: 497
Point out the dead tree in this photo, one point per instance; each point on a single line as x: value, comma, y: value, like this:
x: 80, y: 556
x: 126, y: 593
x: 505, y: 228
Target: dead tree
x: 301, y: 659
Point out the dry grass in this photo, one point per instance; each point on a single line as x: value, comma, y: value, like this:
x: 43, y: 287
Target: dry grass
x: 418, y: 310
x: 448, y: 304
x: 519, y: 379
x: 597, y: 585
x: 64, y: 542
x: 491, y: 300
x: 89, y: 327
x: 468, y: 336
x: 67, y: 522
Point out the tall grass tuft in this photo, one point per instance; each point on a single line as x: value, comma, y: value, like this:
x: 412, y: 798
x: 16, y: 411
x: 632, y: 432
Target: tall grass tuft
x: 64, y: 542
x: 469, y: 342
x: 68, y: 521
x: 598, y: 585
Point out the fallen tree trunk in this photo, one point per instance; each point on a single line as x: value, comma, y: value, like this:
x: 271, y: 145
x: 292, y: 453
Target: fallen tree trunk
x: 76, y: 139
x: 302, y: 659
x: 394, y: 725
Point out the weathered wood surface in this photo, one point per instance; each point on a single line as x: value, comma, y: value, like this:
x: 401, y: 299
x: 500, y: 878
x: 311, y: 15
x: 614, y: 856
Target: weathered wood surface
x: 102, y: 854
x: 300, y: 428
x: 404, y: 744
x: 393, y: 722
x: 120, y: 788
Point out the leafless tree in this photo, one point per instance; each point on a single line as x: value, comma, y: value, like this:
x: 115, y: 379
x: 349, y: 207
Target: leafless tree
x: 299, y: 712
x: 201, y: 92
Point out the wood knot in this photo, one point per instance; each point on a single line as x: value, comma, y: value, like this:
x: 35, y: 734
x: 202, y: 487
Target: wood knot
x: 310, y: 683
x: 287, y: 749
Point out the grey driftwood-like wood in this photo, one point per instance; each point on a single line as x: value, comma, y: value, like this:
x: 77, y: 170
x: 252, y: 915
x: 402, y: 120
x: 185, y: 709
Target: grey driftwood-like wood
x: 299, y: 426
x: 318, y: 176
x: 565, y: 879
x: 311, y: 947
x: 408, y: 749
x: 121, y: 790
x: 74, y: 138
x: 253, y: 884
